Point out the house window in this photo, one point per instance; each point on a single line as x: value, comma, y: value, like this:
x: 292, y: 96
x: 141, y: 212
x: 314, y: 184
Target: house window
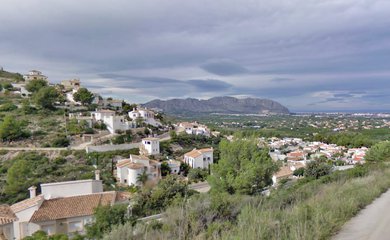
x: 49, y: 229
x: 75, y: 226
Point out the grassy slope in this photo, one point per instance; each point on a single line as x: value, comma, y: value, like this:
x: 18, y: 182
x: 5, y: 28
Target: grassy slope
x: 311, y: 211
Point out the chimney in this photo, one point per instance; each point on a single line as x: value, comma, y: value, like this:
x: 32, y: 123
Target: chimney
x: 33, y: 191
x: 97, y: 175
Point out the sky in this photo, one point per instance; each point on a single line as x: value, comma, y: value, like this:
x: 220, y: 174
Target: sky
x: 309, y: 55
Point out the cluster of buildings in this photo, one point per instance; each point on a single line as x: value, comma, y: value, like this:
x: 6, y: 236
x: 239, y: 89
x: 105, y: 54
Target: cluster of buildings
x: 295, y: 153
x: 60, y: 208
x: 129, y: 169
x: 194, y: 128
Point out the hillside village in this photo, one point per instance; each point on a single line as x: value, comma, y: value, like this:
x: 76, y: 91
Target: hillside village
x: 154, y: 149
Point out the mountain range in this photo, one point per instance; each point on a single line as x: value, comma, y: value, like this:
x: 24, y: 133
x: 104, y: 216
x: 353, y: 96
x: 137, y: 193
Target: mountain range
x: 221, y: 105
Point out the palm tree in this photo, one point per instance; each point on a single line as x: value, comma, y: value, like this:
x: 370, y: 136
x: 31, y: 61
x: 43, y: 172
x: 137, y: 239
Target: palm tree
x: 143, y: 177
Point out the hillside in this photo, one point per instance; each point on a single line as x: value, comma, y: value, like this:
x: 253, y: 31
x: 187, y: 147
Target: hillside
x: 225, y: 105
x: 13, y: 77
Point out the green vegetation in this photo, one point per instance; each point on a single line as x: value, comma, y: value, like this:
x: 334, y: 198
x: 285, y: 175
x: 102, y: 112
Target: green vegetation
x: 105, y: 218
x: 31, y: 168
x: 46, y: 97
x: 308, y: 209
x: 380, y: 152
x: 243, y: 168
x: 84, y: 96
x: 15, y: 77
x: 197, y: 174
x: 11, y: 129
x: 317, y: 169
x: 35, y: 85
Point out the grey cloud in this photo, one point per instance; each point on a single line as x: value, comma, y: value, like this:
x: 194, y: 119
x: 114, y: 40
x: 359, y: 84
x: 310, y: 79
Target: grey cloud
x: 281, y: 80
x: 224, y: 67
x: 264, y: 39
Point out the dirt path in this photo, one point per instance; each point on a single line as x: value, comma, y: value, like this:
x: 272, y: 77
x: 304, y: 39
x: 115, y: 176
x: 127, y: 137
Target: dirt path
x: 372, y: 223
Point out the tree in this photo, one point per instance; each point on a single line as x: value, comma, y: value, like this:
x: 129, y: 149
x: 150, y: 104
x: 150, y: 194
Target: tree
x: 143, y: 177
x: 317, y: 169
x: 184, y: 168
x: 196, y: 174
x: 380, y: 152
x: 299, y: 172
x: 105, y: 218
x: 35, y: 85
x: 165, y: 169
x: 243, y: 168
x: 11, y: 129
x: 149, y: 201
x: 46, y: 97
x: 84, y: 96
x: 16, y: 179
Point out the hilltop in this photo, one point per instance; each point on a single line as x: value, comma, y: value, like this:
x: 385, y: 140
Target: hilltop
x: 225, y: 105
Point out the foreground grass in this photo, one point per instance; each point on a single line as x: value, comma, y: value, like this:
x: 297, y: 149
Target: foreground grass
x: 312, y: 211
x: 309, y: 209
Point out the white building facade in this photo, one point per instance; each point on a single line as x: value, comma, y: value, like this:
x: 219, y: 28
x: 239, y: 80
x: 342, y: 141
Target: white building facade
x: 199, y: 158
x: 150, y: 146
x: 128, y: 170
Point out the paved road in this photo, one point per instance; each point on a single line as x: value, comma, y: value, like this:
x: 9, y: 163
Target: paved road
x: 372, y: 223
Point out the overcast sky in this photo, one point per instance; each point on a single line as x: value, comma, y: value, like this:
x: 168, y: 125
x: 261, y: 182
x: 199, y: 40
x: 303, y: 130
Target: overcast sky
x: 306, y: 54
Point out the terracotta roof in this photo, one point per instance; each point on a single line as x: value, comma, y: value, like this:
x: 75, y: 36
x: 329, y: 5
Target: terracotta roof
x: 198, y: 152
x: 17, y: 207
x: 6, y: 214
x: 138, y: 157
x: 193, y: 154
x: 203, y: 150
x: 77, y: 206
x: 123, y: 163
x: 135, y: 165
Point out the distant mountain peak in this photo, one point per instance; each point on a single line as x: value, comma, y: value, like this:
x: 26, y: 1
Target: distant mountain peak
x: 222, y: 104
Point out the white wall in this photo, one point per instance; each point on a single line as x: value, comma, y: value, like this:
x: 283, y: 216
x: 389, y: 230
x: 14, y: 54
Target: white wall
x: 71, y: 188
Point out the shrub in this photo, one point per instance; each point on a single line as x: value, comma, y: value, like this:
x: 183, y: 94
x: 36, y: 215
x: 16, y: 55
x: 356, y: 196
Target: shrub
x: 196, y: 174
x: 7, y: 107
x: 316, y: 169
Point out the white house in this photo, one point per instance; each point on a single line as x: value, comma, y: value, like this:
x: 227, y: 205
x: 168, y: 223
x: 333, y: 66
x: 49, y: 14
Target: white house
x: 147, y: 115
x: 113, y: 122
x: 150, y: 146
x: 7, y: 217
x: 21, y: 89
x: 194, y: 128
x: 34, y: 75
x: 63, y: 207
x: 199, y: 158
x: 128, y: 170
x: 174, y: 166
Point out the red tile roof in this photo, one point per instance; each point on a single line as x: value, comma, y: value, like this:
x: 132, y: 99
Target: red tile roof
x: 6, y: 214
x: 20, y: 206
x: 77, y: 206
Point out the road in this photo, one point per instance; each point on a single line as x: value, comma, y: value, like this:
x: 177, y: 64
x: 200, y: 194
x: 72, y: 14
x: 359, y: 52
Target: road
x: 201, y: 187
x: 82, y: 146
x: 372, y: 223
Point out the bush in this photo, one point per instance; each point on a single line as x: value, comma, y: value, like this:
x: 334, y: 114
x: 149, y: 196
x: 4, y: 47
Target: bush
x: 299, y: 172
x: 61, y: 141
x: 196, y: 174
x: 380, y: 152
x: 7, y: 107
x: 316, y: 169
